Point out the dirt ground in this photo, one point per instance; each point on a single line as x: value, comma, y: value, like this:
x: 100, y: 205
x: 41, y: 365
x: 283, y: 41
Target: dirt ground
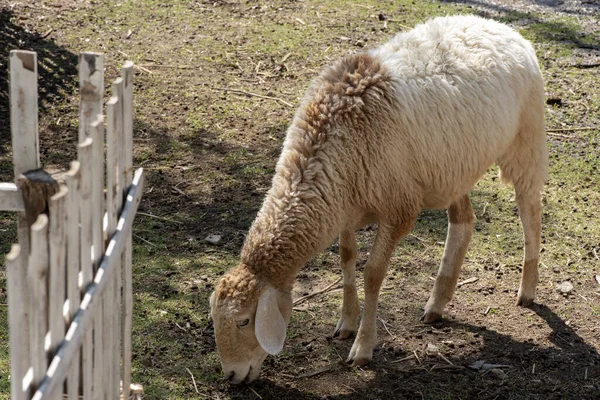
x: 216, y: 85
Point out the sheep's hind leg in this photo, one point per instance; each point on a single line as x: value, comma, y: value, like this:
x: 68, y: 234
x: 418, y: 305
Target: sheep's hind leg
x: 348, y: 322
x: 385, y: 241
x: 531, y: 218
x: 460, y: 228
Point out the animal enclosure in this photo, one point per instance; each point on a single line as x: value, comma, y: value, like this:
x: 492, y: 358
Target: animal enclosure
x: 69, y: 279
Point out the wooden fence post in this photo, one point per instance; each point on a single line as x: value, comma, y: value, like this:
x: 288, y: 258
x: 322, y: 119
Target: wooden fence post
x: 91, y: 387
x: 16, y: 288
x: 127, y: 307
x: 73, y: 262
x: 38, y: 281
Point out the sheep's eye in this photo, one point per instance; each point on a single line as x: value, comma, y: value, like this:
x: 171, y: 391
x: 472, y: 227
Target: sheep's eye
x: 243, y: 322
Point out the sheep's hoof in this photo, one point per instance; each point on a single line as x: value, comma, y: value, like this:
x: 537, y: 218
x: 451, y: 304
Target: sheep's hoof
x: 431, y: 316
x: 524, y: 301
x: 359, y: 362
x: 361, y: 352
x: 343, y: 334
x: 344, y: 329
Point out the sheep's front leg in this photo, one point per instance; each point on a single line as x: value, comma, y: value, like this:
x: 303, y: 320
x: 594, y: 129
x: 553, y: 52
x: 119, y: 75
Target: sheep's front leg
x: 460, y: 228
x: 348, y: 322
x: 385, y: 241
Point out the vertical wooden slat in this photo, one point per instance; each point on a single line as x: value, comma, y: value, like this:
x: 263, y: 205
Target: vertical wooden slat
x: 38, y: 281
x: 85, y: 216
x: 57, y: 284
x: 115, y: 152
x: 16, y: 287
x: 112, y: 162
x: 98, y: 239
x: 25, y: 146
x: 91, y: 88
x: 73, y: 263
x: 127, y: 308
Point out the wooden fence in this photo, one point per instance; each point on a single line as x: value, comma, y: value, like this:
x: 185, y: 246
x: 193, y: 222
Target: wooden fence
x: 69, y: 278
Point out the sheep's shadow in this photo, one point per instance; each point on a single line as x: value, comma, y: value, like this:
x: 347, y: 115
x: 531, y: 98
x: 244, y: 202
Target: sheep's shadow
x: 571, y: 368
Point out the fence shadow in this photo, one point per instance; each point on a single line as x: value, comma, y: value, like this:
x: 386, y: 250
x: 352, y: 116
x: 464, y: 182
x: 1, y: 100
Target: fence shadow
x: 571, y: 369
x: 57, y: 68
x: 543, y: 29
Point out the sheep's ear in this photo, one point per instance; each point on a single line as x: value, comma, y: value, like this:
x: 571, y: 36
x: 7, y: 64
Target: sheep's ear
x: 269, y: 324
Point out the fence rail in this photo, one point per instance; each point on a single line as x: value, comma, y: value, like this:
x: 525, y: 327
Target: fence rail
x: 69, y: 279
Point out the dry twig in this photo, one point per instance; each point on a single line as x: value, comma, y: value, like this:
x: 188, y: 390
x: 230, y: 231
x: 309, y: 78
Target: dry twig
x: 254, y: 95
x: 308, y: 296
x: 467, y: 281
x: 193, y: 380
x: 254, y: 391
x: 157, y: 217
x: 588, y: 128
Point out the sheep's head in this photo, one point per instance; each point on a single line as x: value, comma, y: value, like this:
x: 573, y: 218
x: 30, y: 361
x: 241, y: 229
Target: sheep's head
x: 250, y: 318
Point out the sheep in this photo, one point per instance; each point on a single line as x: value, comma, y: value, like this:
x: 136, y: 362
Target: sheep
x: 380, y: 136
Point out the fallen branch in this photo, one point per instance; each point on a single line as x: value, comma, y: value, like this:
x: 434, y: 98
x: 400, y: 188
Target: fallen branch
x: 145, y: 241
x: 255, y: 95
x: 193, y: 380
x: 586, y: 66
x: 386, y: 328
x: 403, y: 359
x: 467, y: 281
x: 308, y: 296
x: 254, y: 391
x: 588, y: 128
x: 157, y: 217
x: 316, y: 371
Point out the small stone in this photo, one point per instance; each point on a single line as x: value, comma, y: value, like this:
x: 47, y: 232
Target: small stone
x: 565, y: 287
x: 432, y: 349
x: 213, y: 239
x: 498, y: 373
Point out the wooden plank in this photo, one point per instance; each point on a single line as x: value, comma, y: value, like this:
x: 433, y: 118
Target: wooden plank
x: 17, y: 289
x: 24, y: 111
x: 127, y: 75
x: 112, y: 163
x: 84, y: 317
x: 38, y: 292
x: 91, y: 88
x: 84, y: 155
x: 127, y: 308
x: 57, y: 284
x: 98, y: 239
x: 115, y: 168
x: 10, y: 198
x: 24, y: 123
x: 73, y: 261
x: 117, y: 91
x: 25, y: 146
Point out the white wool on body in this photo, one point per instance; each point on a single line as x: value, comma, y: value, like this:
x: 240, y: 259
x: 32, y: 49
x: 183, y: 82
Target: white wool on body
x: 461, y: 83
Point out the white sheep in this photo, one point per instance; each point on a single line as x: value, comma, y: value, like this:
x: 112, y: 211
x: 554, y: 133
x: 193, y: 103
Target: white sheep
x: 380, y: 136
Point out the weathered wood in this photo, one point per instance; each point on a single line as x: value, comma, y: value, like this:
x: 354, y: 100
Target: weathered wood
x: 112, y: 162
x: 86, y: 266
x: 127, y: 307
x: 91, y: 88
x: 17, y: 289
x: 73, y: 262
x: 84, y: 317
x: 36, y: 186
x: 97, y: 160
x: 24, y: 124
x: 57, y: 284
x: 24, y: 111
x: 38, y: 293
x: 10, y: 198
